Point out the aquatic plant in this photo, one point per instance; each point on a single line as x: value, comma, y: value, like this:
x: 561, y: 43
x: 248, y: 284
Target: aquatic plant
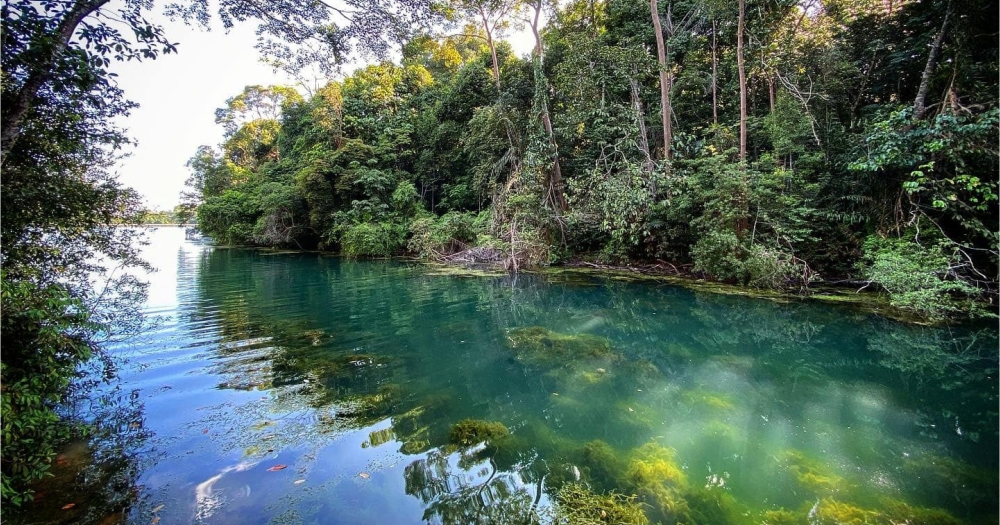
x: 542, y: 346
x: 708, y: 399
x: 969, y: 484
x: 654, y: 464
x: 712, y: 507
x: 578, y: 505
x: 601, y: 465
x: 470, y: 432
x: 899, y: 511
x: 783, y: 517
x: 832, y: 512
x: 811, y: 474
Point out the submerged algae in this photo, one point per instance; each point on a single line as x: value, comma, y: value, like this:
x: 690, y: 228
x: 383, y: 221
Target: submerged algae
x: 811, y: 474
x: 654, y: 464
x: 469, y: 432
x: 539, y: 345
x: 578, y: 505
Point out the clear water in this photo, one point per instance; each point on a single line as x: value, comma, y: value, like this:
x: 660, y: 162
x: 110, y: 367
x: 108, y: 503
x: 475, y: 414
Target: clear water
x: 351, y: 374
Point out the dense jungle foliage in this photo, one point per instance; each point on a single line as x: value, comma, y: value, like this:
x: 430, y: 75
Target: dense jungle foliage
x: 772, y: 144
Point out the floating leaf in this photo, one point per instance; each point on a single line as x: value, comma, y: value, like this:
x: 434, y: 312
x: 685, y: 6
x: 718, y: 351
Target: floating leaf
x: 365, y: 475
x: 277, y: 468
x: 68, y: 506
x: 156, y: 519
x: 159, y: 508
x: 299, y: 482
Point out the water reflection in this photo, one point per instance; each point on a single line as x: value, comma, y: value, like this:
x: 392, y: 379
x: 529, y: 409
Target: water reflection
x: 710, y: 408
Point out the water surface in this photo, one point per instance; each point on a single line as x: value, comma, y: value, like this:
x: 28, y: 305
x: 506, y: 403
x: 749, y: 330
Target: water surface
x: 303, y: 388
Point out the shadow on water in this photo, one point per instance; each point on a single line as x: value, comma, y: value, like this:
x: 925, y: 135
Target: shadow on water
x: 300, y: 388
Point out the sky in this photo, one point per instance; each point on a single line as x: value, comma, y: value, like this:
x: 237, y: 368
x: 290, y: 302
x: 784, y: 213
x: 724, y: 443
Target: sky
x: 178, y: 94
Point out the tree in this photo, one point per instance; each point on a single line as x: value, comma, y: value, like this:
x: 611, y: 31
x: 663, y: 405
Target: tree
x: 55, y: 41
x: 62, y: 249
x: 297, y: 35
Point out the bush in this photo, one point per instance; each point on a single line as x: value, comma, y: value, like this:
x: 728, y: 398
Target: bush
x: 46, y: 334
x: 917, y: 278
x: 382, y: 239
x: 445, y: 235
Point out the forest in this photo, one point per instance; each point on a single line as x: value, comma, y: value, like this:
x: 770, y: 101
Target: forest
x: 773, y: 144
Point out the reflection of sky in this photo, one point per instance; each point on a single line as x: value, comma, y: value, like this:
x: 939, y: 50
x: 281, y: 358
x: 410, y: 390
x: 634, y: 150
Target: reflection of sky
x: 274, y: 360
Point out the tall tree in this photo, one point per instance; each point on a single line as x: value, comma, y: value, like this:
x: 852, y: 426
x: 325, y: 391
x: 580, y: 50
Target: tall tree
x: 555, y: 185
x: 740, y: 30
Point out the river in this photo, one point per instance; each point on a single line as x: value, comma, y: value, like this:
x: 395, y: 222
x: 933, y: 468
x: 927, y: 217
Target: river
x: 283, y: 388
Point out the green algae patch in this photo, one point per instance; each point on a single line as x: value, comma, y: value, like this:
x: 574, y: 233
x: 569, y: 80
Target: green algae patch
x: 812, y: 475
x: 452, y: 270
x: 578, y: 505
x: 832, y: 512
x: 710, y: 400
x: 784, y: 517
x: 654, y: 464
x: 901, y: 512
x: 600, y: 464
x: 469, y: 432
x: 865, y: 302
x: 537, y: 345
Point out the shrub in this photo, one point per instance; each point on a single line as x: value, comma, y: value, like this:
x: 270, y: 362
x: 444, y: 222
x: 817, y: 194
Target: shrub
x: 46, y: 334
x: 445, y: 235
x: 917, y: 278
x: 382, y: 239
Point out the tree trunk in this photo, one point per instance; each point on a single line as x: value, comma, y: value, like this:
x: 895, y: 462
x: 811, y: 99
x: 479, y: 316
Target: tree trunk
x: 41, y: 74
x: 555, y: 178
x: 919, y: 104
x: 715, y: 77
x: 665, y: 80
x: 743, y: 82
x: 493, y: 48
x: 771, y: 94
x: 640, y: 119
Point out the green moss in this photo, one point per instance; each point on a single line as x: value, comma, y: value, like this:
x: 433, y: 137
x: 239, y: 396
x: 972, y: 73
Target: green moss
x: 470, y: 432
x: 577, y: 505
x: 539, y: 345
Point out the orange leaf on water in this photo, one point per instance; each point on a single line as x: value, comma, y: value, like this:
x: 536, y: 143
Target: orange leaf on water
x: 68, y: 506
x: 277, y: 468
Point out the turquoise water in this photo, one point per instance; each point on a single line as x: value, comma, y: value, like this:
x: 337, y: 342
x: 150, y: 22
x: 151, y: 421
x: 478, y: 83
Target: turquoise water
x: 711, y: 408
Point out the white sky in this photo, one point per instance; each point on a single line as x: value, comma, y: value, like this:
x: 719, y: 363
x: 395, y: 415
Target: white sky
x: 178, y: 94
